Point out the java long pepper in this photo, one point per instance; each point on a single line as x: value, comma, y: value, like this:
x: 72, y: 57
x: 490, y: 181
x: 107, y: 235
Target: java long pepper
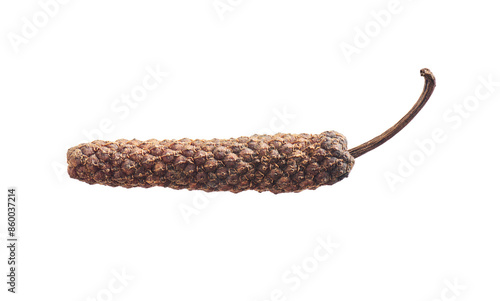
x: 276, y: 163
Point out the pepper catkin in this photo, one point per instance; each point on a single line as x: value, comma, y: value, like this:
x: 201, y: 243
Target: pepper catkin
x: 276, y: 163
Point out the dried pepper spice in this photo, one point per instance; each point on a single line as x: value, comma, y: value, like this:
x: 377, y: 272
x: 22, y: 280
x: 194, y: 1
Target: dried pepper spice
x: 277, y: 163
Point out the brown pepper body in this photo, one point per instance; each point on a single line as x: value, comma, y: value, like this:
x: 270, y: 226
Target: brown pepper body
x: 276, y: 163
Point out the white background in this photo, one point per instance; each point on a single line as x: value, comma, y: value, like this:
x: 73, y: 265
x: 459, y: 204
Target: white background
x: 260, y: 66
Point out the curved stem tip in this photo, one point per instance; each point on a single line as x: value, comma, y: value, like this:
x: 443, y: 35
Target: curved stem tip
x: 430, y: 84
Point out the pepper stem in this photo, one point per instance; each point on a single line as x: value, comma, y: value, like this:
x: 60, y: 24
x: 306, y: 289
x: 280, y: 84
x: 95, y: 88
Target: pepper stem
x: 430, y: 84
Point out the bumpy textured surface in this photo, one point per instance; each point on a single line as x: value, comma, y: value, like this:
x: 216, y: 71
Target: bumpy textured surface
x: 278, y: 163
